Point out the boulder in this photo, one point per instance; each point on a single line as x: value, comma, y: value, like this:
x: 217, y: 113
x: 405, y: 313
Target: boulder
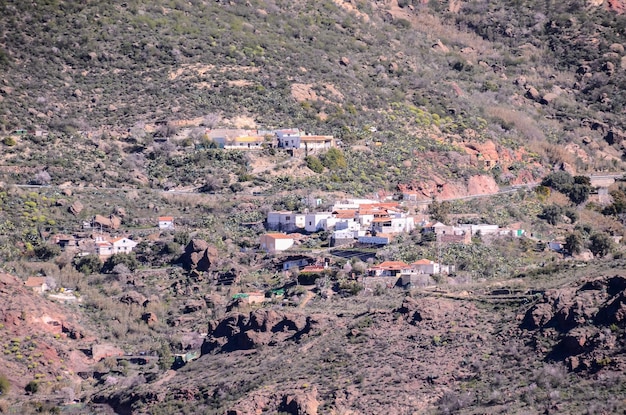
x: 112, y: 222
x: 75, y: 208
x: 192, y: 306
x: 539, y: 316
x: 120, y: 211
x: 548, y: 98
x: 300, y: 403
x: 574, y: 342
x: 344, y: 61
x: 150, y: 318
x: 101, y: 351
x: 609, y: 67
x: 439, y: 46
x: 617, y: 48
x: 199, y: 256
x: 133, y: 297
x: 533, y: 94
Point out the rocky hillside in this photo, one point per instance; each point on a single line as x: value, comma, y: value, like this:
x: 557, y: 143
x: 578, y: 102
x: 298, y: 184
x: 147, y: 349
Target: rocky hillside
x: 506, y: 350
x: 43, y: 344
x: 422, y: 88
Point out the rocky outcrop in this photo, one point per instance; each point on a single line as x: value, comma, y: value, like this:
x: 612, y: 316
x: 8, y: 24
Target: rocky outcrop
x: 112, y: 222
x: 430, y: 310
x: 133, y: 297
x: 584, y: 325
x: 199, y: 256
x: 261, y: 327
x: 300, y: 403
x: 75, y: 208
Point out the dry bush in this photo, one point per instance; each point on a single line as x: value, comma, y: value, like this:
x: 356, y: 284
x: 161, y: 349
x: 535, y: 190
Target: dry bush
x: 551, y: 153
x: 524, y: 124
x: 194, y: 200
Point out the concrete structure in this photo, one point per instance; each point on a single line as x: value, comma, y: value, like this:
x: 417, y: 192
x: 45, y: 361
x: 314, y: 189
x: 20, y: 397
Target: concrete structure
x: 105, y: 249
x: 393, y: 225
x: 296, y: 262
x: 388, y: 269
x: 166, y: 222
x: 285, y: 221
x: 37, y: 284
x: 482, y: 228
x: 314, y: 222
x: 315, y: 143
x: 426, y: 266
x: 276, y: 242
x: 255, y: 297
x: 379, y: 239
x: 288, y: 138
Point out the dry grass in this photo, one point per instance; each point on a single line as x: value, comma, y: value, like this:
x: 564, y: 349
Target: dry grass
x: 523, y: 123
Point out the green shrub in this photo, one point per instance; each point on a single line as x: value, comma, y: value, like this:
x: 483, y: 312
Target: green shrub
x: 88, y: 264
x: 32, y: 386
x: 5, y: 385
x: 9, y: 141
x: 314, y: 164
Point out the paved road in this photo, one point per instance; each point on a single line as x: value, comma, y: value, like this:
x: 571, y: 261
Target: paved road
x: 598, y: 178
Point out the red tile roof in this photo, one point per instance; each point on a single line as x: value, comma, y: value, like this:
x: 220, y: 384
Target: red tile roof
x: 423, y: 261
x: 165, y: 218
x: 312, y: 269
x: 278, y: 236
x: 392, y: 265
x: 35, y: 281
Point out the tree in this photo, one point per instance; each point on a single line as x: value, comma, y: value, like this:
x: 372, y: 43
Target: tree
x: 560, y: 181
x: 314, y: 164
x: 600, y: 244
x: 439, y: 211
x: 334, y: 159
x: 47, y: 252
x: 579, y: 193
x: 88, y: 264
x: 127, y: 259
x: 619, y: 203
x: 574, y: 243
x: 165, y: 356
x: 551, y: 214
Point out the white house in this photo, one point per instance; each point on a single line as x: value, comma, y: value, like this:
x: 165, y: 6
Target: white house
x: 276, y: 242
x: 285, y: 221
x: 393, y: 224
x: 314, y: 222
x: 484, y: 229
x: 37, y: 284
x: 105, y: 248
x: 166, y: 222
x: 347, y: 224
x: 316, y: 142
x: 426, y: 266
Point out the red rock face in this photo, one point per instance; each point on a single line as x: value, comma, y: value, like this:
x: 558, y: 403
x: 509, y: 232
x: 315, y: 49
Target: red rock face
x: 39, y: 329
x: 617, y: 6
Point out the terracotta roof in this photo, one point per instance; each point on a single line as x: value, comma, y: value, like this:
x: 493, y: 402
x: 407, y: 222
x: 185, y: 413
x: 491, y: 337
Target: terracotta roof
x: 345, y: 213
x: 248, y: 139
x: 423, y: 261
x: 312, y: 268
x: 35, y: 281
x: 278, y: 236
x: 380, y: 220
x: 316, y: 138
x: 392, y: 265
x: 166, y: 218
